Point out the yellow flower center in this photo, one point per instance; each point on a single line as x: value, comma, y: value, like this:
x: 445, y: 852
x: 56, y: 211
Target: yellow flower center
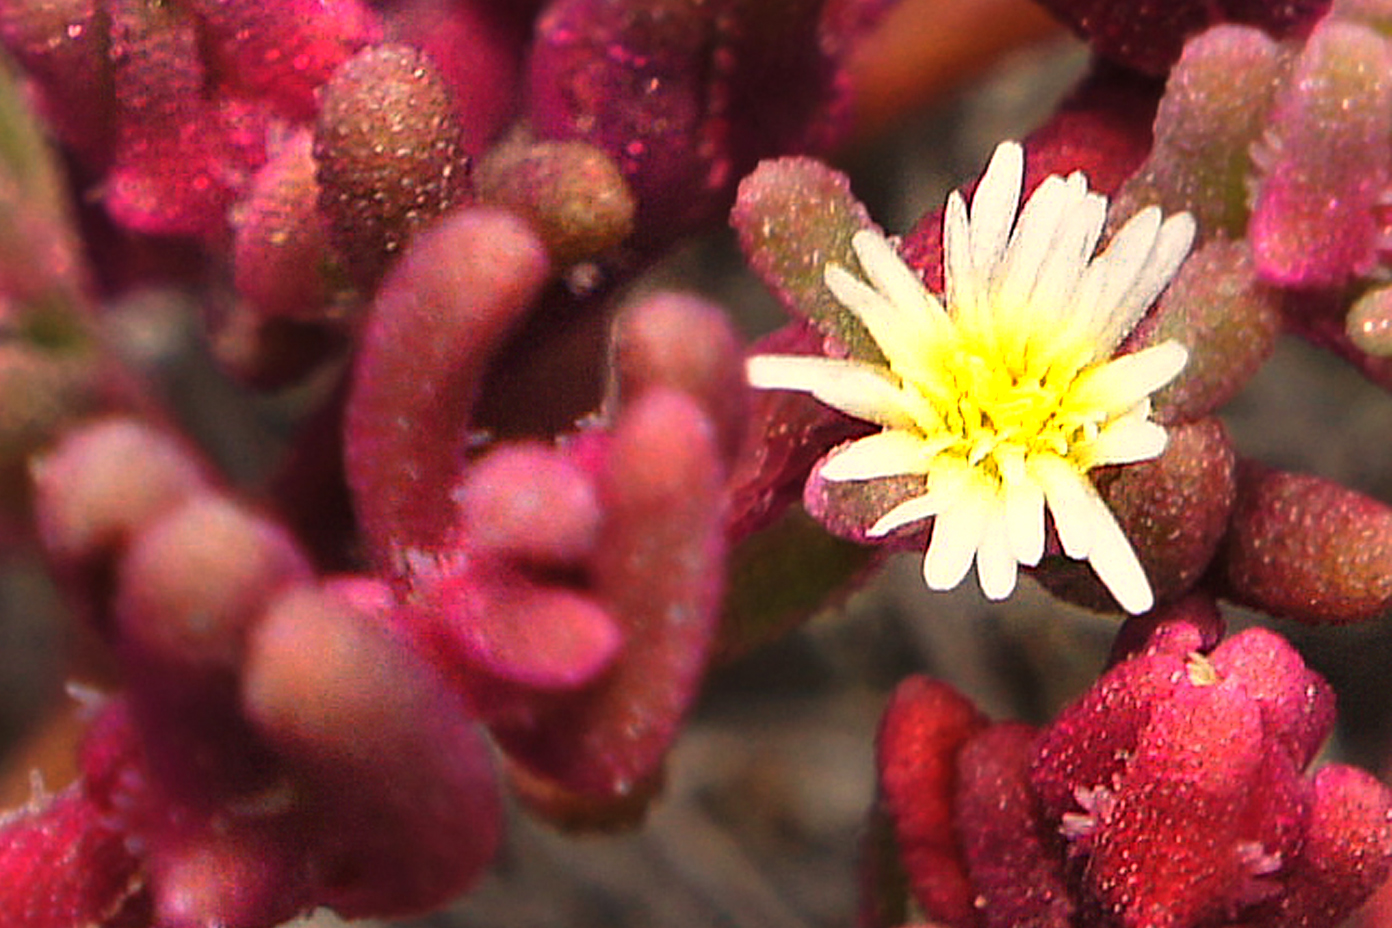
x: 993, y: 410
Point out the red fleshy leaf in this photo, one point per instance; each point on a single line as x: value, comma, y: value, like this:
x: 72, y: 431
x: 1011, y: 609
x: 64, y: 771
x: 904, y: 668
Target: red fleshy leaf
x: 456, y: 293
x: 401, y: 811
x: 924, y: 728
x: 1328, y: 163
x: 529, y: 501
x: 1013, y: 856
x: 478, y: 50
x: 1307, y: 548
x: 1164, y: 849
x: 283, y: 51
x: 1347, y: 852
x: 1149, y: 36
x: 1297, y: 704
x: 1178, y: 629
x: 281, y: 247
x: 1089, y: 743
x: 62, y: 865
x: 508, y: 630
x: 658, y: 571
x: 686, y: 343
x: 180, y: 156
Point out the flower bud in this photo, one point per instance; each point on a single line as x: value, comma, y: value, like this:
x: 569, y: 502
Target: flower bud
x: 571, y: 192
x: 388, y: 148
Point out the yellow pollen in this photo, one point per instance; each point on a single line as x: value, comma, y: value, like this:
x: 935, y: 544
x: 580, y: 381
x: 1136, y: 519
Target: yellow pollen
x: 993, y: 404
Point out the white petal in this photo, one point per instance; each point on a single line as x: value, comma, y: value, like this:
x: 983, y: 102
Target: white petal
x: 1112, y: 273
x: 961, y: 288
x: 996, y: 567
x: 1170, y: 249
x: 1116, y: 565
x: 957, y: 533
x: 1070, y: 497
x: 1127, y: 440
x: 993, y: 208
x: 1122, y: 382
x: 1111, y: 280
x: 1088, y: 295
x: 1032, y: 241
x: 899, y: 284
x: 881, y: 455
x: 1088, y: 223
x: 906, y: 335
x: 856, y: 389
x: 947, y: 485
x: 910, y: 510
x: 1070, y: 247
x: 1088, y: 530
x: 1024, y: 517
x: 898, y: 338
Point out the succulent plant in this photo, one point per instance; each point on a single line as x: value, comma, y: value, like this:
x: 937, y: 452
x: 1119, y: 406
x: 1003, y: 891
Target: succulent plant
x: 530, y: 497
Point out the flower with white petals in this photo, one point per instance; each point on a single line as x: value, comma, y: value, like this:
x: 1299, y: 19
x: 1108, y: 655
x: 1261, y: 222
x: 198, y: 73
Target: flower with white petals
x: 1004, y: 394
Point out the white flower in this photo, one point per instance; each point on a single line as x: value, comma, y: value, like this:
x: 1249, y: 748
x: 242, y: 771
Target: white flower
x: 1004, y: 394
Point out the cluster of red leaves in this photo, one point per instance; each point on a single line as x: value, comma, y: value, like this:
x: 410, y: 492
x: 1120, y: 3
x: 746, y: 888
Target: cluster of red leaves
x: 1174, y: 792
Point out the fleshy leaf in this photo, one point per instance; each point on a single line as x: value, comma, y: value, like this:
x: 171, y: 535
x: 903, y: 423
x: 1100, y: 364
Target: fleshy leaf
x: 793, y: 216
x: 1214, y: 109
x: 923, y: 730
x: 454, y: 297
x: 658, y: 570
x: 1307, y: 548
x: 64, y: 864
x: 1329, y: 162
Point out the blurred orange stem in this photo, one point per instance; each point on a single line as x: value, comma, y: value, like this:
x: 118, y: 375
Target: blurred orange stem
x: 925, y: 48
